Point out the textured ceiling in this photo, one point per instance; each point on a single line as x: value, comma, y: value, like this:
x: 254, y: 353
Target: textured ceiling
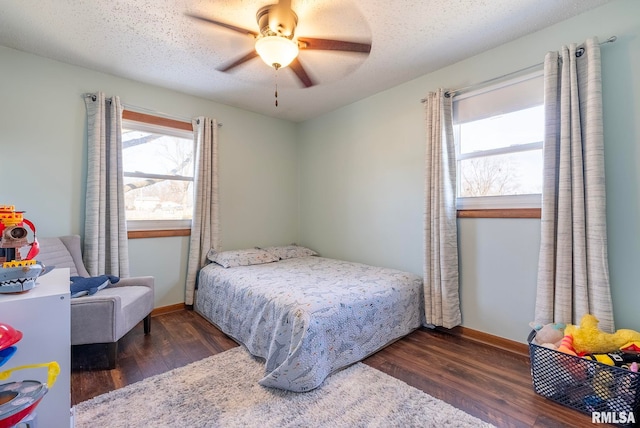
x: 153, y: 41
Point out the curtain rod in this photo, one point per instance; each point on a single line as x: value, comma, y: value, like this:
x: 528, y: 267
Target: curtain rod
x: 151, y: 112
x: 159, y: 113
x: 522, y: 70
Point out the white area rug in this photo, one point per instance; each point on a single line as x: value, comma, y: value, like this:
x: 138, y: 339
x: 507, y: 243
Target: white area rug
x: 222, y: 391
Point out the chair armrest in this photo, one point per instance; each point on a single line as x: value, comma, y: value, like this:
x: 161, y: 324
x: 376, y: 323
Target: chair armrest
x: 93, y: 319
x: 146, y: 281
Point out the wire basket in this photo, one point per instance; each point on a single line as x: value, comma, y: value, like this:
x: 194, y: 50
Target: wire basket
x: 606, y: 393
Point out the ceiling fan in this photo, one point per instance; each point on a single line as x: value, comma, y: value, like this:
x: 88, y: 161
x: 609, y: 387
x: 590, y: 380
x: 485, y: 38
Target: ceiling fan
x: 277, y: 43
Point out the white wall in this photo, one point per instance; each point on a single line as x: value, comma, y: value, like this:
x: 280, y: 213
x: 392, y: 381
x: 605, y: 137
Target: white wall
x: 43, y: 162
x: 361, y: 185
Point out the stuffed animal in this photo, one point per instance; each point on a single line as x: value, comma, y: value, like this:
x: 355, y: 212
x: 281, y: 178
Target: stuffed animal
x: 588, y: 339
x: 631, y: 347
x: 566, y: 345
x: 548, y: 335
x: 617, y: 359
x: 81, y: 286
x: 603, y: 382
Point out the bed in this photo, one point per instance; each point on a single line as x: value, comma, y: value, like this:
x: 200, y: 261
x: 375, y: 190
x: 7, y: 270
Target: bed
x: 309, y: 316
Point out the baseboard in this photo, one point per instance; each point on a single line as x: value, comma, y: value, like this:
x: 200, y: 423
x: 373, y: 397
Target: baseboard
x: 167, y: 309
x: 521, y: 349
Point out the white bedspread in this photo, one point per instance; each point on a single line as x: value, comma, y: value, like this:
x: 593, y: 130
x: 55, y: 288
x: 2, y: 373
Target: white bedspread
x: 310, y: 316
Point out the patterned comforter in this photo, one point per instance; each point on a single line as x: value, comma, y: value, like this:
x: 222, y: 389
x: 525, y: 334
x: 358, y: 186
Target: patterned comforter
x: 309, y: 316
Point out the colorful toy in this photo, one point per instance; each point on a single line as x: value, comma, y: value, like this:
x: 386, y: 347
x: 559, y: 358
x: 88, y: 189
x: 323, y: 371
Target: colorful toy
x: 8, y: 337
x: 19, y: 399
x: 617, y: 359
x: 14, y: 236
x: 548, y: 335
x: 603, y: 382
x: 587, y: 338
x: 17, y: 274
x: 566, y: 345
x: 594, y: 403
x: 631, y: 347
x: 6, y: 354
x: 81, y: 286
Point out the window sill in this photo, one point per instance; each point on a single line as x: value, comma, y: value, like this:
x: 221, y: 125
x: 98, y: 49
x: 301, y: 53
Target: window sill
x: 501, y: 213
x: 159, y: 233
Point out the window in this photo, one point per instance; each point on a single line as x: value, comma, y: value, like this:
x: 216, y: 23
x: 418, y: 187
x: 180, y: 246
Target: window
x: 157, y: 158
x: 498, y: 133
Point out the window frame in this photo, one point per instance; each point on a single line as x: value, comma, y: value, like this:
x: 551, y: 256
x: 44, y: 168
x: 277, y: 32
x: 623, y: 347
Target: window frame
x: 156, y: 228
x: 506, y: 206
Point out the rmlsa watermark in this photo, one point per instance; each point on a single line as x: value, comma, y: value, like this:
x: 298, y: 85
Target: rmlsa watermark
x: 613, y: 418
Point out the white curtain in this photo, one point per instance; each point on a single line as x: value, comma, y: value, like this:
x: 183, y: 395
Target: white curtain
x: 441, y: 294
x: 105, y: 231
x: 573, y: 273
x: 205, y: 222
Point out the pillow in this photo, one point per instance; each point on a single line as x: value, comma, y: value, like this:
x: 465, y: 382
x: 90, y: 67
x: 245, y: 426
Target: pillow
x: 290, y: 251
x: 253, y: 256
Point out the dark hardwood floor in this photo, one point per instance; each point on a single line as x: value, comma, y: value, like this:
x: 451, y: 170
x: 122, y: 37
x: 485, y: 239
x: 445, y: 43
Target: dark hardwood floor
x: 487, y: 382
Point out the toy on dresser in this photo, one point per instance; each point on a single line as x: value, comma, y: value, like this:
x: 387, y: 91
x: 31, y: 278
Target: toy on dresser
x: 19, y: 399
x: 17, y: 274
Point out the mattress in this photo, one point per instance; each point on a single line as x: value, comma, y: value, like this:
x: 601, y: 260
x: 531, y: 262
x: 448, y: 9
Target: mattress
x: 309, y: 316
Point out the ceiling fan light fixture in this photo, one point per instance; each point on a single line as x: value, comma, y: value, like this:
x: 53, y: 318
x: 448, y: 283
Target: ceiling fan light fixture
x: 276, y: 51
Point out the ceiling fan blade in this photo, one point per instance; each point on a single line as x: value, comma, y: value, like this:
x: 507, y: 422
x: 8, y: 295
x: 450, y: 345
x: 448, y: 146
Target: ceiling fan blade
x: 239, y: 61
x: 224, y: 24
x: 299, y: 70
x: 333, y: 45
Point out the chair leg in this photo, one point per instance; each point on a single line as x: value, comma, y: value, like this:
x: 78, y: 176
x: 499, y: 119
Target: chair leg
x: 112, y: 353
x: 147, y: 324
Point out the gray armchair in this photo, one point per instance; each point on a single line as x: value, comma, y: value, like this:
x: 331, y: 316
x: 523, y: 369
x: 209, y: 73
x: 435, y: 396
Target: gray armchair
x: 110, y: 313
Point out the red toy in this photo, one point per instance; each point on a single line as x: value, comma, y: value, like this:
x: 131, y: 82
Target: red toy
x: 19, y: 399
x: 17, y: 275
x: 13, y: 236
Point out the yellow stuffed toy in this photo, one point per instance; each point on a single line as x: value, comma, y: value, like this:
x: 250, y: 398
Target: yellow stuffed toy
x: 588, y: 339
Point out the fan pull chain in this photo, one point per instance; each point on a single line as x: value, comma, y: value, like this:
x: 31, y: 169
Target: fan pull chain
x: 276, y: 81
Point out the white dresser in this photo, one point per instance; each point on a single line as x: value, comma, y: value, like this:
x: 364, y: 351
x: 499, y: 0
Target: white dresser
x: 43, y: 315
